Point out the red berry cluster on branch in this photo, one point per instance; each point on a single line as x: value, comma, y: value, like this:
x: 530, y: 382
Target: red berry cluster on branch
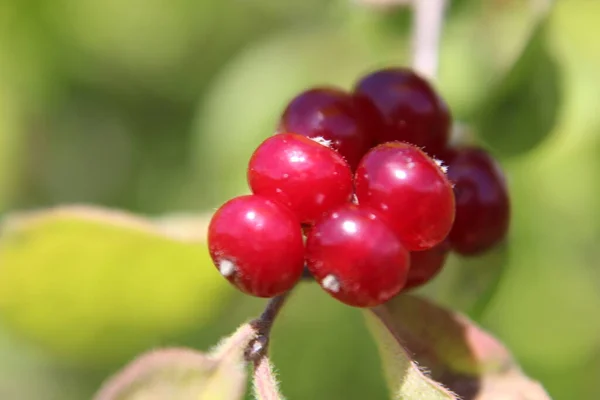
x: 361, y: 188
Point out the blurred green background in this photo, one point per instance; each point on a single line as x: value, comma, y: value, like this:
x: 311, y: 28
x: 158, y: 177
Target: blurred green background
x: 154, y: 107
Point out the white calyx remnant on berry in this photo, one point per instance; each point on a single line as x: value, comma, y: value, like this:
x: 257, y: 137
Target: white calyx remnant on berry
x: 331, y: 283
x: 322, y: 140
x: 226, y: 268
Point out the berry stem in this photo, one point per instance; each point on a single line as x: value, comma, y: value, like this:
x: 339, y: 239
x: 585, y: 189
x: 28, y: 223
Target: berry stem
x: 428, y: 20
x: 307, y: 276
x: 258, y: 347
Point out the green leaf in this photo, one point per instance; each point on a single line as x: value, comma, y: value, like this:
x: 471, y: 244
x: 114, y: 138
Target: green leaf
x: 184, y: 374
x: 455, y: 351
x: 95, y: 287
x: 325, y: 343
x: 523, y: 105
x: 405, y: 379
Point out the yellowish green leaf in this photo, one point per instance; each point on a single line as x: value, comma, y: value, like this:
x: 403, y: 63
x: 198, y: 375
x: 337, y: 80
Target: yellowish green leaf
x: 96, y: 287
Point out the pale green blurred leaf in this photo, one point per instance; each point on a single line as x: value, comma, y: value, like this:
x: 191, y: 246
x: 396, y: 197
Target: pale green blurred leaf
x: 523, y: 105
x: 95, y: 286
x: 149, y: 37
x: 25, y: 374
x: 184, y: 374
x: 481, y: 43
x: 454, y: 351
x: 245, y: 101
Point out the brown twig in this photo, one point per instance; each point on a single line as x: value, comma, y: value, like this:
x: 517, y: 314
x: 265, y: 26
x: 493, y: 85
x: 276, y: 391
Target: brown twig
x: 264, y: 379
x: 259, y: 346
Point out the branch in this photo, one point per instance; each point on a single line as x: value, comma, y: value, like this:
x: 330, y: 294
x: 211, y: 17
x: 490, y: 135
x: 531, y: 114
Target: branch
x: 263, y: 324
x: 264, y: 380
x: 428, y: 20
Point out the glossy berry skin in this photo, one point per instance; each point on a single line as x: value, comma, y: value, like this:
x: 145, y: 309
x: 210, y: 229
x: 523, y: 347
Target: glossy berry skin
x: 482, y: 201
x: 330, y: 113
x: 410, y: 191
x: 402, y: 106
x: 425, y: 265
x: 306, y: 176
x: 257, y: 245
x: 356, y: 257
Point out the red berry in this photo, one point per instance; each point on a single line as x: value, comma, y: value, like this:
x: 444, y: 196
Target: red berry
x: 306, y: 176
x: 426, y: 264
x: 404, y: 107
x: 411, y: 192
x: 356, y: 257
x: 257, y: 245
x: 482, y: 201
x: 330, y: 113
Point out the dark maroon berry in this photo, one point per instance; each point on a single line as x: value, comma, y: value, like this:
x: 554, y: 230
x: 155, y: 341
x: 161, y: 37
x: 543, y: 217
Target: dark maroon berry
x: 482, y: 201
x: 402, y: 106
x: 425, y: 265
x: 329, y: 113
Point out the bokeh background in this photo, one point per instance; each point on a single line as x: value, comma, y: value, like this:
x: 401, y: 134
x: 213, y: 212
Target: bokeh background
x: 153, y: 107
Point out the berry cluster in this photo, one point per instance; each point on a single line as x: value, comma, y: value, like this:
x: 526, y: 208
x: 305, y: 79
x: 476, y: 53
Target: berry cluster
x: 361, y: 188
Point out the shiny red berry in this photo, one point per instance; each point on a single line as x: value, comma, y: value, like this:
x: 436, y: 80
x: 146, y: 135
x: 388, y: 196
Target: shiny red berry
x: 306, y: 176
x: 426, y: 264
x: 356, y: 257
x: 257, y: 245
x: 411, y: 192
x: 329, y: 113
x: 402, y: 106
x: 482, y: 201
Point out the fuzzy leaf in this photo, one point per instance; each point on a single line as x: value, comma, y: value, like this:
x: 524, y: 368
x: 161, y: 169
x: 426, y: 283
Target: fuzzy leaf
x: 96, y: 287
x: 184, y: 374
x: 454, y: 351
x: 264, y: 381
x: 405, y: 379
